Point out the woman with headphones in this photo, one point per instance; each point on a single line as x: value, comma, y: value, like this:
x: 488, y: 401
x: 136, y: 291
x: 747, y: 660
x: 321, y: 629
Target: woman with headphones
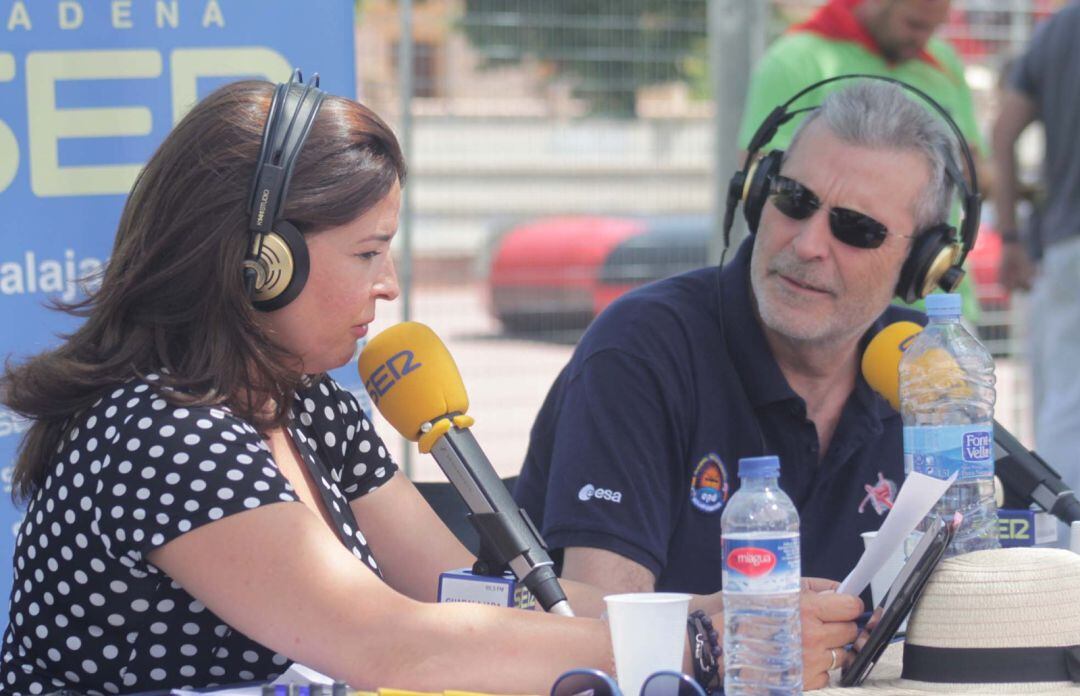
x: 204, y: 504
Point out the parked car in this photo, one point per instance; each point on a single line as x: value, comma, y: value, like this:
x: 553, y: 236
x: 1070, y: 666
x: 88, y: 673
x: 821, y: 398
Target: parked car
x: 560, y: 272
x: 557, y: 273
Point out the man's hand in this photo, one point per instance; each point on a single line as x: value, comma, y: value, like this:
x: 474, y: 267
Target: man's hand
x: 1016, y: 270
x: 828, y: 624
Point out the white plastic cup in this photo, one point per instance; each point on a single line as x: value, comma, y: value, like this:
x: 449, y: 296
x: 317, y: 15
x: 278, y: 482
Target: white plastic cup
x: 648, y: 634
x: 1074, y: 537
x: 883, y: 578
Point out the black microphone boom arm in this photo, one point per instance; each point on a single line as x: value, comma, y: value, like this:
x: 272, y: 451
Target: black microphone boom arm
x: 1027, y: 476
x: 508, y: 537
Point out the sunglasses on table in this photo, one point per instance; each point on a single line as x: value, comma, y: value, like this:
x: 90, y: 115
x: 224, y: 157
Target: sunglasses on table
x: 593, y: 682
x: 851, y: 227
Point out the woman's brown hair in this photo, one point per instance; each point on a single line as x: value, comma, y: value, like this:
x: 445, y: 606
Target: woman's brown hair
x: 172, y: 299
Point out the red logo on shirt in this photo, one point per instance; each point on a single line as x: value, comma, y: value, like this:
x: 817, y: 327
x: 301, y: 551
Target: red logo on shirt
x: 879, y: 495
x: 751, y: 561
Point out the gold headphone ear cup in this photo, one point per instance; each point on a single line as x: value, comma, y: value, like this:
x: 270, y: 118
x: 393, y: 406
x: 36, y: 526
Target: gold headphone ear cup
x: 932, y: 255
x: 273, y: 268
x: 758, y: 181
x: 939, y: 266
x: 281, y: 269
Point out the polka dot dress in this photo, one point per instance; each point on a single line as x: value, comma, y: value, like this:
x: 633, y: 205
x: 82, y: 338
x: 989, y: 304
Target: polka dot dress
x: 88, y: 611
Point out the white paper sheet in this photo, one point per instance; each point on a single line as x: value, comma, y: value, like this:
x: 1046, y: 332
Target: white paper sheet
x: 301, y: 674
x: 917, y: 496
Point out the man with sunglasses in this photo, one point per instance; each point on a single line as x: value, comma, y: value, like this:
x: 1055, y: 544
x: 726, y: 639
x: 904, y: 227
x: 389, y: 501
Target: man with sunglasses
x: 891, y: 38
x: 633, y: 455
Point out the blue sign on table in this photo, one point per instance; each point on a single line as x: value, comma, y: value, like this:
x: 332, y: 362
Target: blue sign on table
x: 88, y: 88
x: 1016, y: 527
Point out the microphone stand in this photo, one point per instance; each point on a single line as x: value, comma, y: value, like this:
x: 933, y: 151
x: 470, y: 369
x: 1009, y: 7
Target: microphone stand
x: 508, y: 538
x: 1027, y: 477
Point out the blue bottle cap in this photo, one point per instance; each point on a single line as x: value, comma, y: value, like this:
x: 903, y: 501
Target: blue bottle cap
x: 759, y: 466
x: 943, y: 304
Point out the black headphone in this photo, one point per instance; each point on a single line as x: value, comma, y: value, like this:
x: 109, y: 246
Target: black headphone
x: 937, y: 253
x: 276, y: 266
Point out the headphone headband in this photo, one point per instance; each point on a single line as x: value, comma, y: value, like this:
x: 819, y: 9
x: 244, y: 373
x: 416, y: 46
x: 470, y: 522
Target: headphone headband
x: 280, y: 147
x: 785, y: 116
x: 276, y: 265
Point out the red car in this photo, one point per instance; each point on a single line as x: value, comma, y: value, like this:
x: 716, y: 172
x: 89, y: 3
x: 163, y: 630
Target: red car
x: 560, y: 272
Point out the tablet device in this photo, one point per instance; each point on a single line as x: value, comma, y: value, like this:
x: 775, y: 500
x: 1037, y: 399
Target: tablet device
x: 899, y: 600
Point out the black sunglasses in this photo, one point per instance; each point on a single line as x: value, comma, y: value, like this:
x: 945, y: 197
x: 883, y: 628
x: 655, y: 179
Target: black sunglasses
x: 851, y: 227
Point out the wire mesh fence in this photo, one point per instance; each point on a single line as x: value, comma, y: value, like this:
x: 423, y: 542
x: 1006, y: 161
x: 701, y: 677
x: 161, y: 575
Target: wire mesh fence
x: 563, y: 152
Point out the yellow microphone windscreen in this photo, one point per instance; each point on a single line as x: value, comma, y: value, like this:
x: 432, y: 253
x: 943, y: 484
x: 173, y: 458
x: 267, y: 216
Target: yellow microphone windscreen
x: 881, y: 360
x: 411, y: 377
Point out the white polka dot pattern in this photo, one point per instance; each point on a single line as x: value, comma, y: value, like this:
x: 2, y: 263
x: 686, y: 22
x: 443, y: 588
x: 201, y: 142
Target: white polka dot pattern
x: 88, y: 611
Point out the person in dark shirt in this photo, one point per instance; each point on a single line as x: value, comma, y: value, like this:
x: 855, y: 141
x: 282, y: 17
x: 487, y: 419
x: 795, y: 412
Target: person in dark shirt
x: 1044, y: 256
x: 634, y: 453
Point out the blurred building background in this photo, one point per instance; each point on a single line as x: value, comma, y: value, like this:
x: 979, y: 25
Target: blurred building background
x: 562, y: 151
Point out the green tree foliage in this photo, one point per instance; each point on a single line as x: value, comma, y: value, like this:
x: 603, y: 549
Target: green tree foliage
x: 606, y: 49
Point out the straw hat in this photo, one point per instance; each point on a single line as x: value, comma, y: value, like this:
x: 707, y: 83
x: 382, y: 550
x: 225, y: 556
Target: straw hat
x: 1005, y: 621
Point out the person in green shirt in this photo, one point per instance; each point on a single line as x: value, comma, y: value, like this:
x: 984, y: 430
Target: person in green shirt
x: 891, y: 38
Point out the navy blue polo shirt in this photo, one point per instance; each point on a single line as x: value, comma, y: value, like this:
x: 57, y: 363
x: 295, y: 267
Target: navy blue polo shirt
x: 636, y: 447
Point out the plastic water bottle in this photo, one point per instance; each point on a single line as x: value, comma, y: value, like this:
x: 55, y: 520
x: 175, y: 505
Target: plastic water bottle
x: 947, y: 404
x: 762, y: 633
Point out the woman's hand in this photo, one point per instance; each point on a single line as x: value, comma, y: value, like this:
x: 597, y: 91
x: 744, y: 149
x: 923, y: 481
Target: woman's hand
x: 828, y: 624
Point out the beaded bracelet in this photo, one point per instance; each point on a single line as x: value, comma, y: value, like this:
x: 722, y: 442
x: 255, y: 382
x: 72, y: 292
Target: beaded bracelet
x: 706, y: 650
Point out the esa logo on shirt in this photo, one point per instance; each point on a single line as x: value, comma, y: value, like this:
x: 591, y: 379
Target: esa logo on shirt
x: 591, y: 492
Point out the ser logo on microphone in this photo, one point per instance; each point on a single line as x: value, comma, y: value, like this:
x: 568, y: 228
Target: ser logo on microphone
x: 385, y: 376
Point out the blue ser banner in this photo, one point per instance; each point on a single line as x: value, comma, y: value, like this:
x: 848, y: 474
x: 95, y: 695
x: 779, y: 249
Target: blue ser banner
x: 88, y: 88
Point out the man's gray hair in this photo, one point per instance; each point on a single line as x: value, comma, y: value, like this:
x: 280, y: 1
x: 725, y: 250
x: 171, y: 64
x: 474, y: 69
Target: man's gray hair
x: 878, y: 114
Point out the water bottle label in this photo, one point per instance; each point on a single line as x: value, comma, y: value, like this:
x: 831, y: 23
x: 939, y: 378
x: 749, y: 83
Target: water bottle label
x: 762, y: 566
x: 942, y: 450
